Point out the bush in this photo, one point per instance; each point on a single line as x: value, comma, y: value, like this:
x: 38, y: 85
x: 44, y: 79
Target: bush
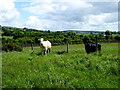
x: 117, y: 37
x: 11, y: 47
x: 18, y: 48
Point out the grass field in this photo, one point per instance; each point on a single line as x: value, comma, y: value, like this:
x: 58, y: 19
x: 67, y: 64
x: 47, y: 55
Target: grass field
x: 76, y: 69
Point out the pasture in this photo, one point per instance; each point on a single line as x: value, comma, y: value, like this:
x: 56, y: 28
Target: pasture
x: 76, y: 69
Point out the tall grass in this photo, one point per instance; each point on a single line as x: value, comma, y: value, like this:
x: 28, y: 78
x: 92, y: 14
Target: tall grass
x: 76, y: 69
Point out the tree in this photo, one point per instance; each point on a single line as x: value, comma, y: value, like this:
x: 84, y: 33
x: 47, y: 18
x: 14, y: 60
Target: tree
x: 24, y: 29
x: 108, y: 34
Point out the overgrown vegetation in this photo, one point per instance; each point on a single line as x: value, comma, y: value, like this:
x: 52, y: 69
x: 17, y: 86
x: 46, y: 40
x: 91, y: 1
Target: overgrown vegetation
x: 27, y: 36
x: 76, y: 69
x: 11, y: 47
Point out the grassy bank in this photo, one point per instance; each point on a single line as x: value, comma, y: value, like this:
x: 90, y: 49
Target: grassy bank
x: 59, y: 69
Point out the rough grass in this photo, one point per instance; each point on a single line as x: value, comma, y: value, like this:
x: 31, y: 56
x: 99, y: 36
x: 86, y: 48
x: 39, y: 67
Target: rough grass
x: 76, y: 69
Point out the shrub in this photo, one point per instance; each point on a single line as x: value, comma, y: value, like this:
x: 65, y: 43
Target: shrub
x: 18, y: 48
x: 117, y: 37
x: 11, y: 47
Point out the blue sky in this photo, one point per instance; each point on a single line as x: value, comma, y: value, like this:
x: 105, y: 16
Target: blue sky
x: 60, y: 15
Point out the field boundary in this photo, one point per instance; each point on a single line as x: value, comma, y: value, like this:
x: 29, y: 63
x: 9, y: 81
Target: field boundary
x: 113, y: 41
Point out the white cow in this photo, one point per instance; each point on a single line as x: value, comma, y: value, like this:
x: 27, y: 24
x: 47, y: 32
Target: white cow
x: 45, y: 46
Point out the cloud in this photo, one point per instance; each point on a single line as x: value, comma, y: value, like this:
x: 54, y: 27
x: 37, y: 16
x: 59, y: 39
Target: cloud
x: 37, y: 23
x: 105, y: 7
x: 8, y: 11
x: 68, y: 0
x: 45, y: 24
x: 72, y: 14
x: 59, y: 11
x: 101, y: 18
x: 112, y: 17
x: 61, y: 15
x: 33, y: 22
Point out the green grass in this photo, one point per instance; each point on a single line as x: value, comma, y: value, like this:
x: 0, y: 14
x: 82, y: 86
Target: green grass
x: 76, y: 69
x: 0, y: 70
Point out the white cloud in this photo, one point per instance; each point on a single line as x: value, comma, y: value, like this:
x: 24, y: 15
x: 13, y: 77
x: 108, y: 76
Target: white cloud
x: 63, y: 8
x: 44, y: 24
x: 72, y: 14
x: 68, y: 0
x: 112, y: 17
x: 96, y: 19
x: 8, y: 11
x: 53, y: 6
x: 33, y: 22
x: 101, y: 18
x: 66, y: 11
x: 37, y: 23
x: 61, y: 14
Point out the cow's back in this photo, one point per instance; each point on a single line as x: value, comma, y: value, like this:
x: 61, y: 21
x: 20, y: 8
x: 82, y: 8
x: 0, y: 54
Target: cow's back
x: 48, y: 44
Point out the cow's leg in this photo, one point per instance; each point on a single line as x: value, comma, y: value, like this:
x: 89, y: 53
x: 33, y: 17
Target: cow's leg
x: 45, y: 51
x: 48, y: 50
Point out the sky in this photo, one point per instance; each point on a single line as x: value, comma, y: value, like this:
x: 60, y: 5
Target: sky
x: 58, y: 15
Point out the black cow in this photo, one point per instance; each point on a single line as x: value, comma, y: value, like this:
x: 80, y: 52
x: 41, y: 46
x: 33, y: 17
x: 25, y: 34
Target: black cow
x: 91, y: 47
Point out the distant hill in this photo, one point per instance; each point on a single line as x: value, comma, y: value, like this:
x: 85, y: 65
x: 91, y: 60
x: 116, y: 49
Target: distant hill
x: 84, y: 31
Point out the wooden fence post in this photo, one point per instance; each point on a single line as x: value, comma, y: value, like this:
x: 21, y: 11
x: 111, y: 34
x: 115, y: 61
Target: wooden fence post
x: 96, y: 43
x: 39, y: 45
x: 67, y: 45
x: 32, y: 46
x: 22, y: 46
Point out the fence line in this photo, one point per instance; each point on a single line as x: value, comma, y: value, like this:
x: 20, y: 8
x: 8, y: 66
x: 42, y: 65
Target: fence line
x: 113, y: 41
x: 37, y: 44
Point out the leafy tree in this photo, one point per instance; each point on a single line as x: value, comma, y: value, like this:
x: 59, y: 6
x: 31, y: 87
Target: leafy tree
x: 24, y: 29
x: 108, y: 34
